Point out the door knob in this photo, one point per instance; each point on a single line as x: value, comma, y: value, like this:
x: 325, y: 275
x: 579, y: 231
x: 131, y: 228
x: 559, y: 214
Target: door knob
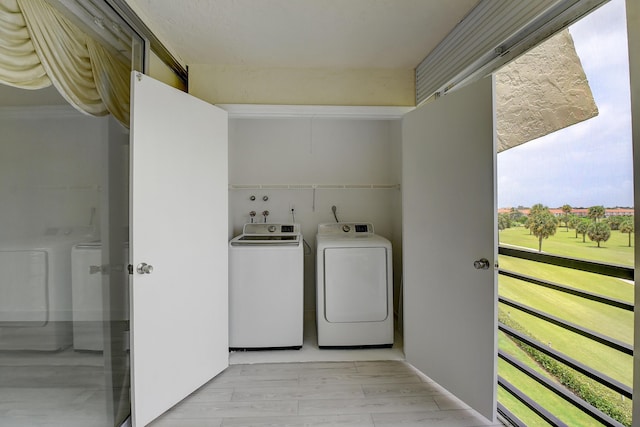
x: 482, y: 264
x: 144, y: 268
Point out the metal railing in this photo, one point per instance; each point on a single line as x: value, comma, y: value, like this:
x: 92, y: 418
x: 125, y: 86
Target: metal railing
x: 616, y: 271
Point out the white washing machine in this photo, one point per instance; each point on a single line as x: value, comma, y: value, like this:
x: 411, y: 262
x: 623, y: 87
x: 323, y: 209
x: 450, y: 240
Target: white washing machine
x: 354, y: 285
x: 266, y: 287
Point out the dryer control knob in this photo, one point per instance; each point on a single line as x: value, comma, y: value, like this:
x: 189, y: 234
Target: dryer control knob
x: 346, y: 228
x: 272, y: 228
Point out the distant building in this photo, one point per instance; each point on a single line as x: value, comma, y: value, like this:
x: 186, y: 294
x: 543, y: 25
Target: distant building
x: 575, y: 211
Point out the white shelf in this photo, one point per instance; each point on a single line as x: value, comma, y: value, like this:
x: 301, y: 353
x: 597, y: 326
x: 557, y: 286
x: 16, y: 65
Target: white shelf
x: 57, y: 187
x: 248, y: 111
x: 313, y: 186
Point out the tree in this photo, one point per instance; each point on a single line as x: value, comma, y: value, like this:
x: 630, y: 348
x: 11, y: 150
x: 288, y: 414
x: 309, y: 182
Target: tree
x: 615, y: 221
x: 596, y: 212
x: 515, y: 215
x: 626, y: 226
x: 599, y: 232
x: 538, y: 207
x: 582, y: 227
x: 542, y: 224
x: 504, y: 221
x: 573, y: 222
x: 566, y: 209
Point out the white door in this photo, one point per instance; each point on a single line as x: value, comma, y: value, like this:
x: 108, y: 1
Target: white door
x: 448, y: 188
x: 179, y: 189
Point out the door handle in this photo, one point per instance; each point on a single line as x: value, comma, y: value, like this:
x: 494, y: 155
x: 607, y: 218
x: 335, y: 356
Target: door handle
x: 481, y: 264
x: 144, y: 268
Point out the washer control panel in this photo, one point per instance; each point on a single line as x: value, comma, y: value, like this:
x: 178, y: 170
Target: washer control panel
x: 257, y: 228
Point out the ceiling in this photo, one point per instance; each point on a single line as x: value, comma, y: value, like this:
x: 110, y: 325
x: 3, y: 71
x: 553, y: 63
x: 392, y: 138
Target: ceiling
x: 302, y: 33
x: 338, y: 34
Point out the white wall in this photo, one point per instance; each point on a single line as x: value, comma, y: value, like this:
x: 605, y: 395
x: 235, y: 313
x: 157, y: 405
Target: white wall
x: 50, y: 170
x: 305, y: 152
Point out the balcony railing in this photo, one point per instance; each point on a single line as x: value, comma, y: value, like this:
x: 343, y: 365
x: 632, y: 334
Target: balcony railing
x: 616, y: 271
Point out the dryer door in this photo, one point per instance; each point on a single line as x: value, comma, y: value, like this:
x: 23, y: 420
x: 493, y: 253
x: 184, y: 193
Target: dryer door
x: 355, y: 285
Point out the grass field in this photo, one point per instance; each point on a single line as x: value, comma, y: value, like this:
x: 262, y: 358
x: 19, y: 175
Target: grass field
x: 614, y: 251
x: 566, y: 412
x: 610, y: 321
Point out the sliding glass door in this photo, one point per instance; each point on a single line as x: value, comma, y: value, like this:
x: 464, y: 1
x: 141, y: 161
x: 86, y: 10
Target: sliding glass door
x: 64, y: 179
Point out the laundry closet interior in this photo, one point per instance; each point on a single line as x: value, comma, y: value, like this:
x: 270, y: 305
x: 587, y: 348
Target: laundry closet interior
x: 297, y: 164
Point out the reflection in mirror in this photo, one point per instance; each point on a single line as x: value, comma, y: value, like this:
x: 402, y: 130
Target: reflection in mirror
x: 64, y: 179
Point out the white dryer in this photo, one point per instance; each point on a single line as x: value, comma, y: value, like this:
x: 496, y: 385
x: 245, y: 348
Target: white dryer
x: 266, y: 287
x: 354, y: 285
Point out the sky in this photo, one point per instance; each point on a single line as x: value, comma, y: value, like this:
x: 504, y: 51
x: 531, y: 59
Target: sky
x: 589, y: 163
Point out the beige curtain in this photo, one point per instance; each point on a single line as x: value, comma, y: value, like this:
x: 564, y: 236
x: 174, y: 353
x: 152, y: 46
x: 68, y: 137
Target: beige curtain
x: 111, y: 80
x: 20, y: 65
x: 39, y: 46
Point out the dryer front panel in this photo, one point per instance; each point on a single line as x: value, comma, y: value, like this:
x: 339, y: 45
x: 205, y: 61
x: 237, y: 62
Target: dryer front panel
x: 355, y: 284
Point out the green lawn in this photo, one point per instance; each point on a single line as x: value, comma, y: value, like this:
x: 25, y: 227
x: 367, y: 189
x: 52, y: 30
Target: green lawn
x: 562, y: 409
x: 610, y: 321
x: 614, y: 251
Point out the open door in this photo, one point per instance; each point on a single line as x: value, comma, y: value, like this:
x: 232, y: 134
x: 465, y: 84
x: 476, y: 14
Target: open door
x: 179, y: 285
x: 449, y: 211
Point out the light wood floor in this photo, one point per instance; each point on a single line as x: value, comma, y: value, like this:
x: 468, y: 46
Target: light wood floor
x: 52, y: 389
x: 361, y: 393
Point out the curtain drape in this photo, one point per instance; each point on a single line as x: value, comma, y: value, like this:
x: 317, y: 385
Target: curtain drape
x: 39, y: 46
x: 20, y: 65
